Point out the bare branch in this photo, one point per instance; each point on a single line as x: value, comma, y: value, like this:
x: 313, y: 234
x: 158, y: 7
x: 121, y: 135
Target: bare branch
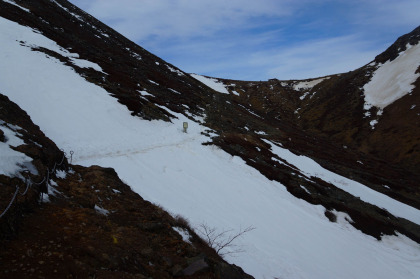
x: 222, y: 242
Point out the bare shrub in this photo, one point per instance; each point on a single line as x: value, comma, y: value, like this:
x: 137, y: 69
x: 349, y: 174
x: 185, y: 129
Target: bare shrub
x: 181, y: 221
x: 222, y: 242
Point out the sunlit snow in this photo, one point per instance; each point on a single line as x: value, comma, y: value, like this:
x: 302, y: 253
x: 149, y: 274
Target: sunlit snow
x: 212, y: 83
x: 393, y: 79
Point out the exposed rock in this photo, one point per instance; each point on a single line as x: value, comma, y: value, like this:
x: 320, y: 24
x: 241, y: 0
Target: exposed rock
x: 152, y: 227
x: 231, y: 271
x: 331, y: 216
x: 196, y: 266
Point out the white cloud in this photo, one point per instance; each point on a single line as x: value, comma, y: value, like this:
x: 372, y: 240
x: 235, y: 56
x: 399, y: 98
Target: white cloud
x: 257, y: 40
x: 309, y: 59
x: 388, y: 13
x: 316, y: 58
x: 181, y: 18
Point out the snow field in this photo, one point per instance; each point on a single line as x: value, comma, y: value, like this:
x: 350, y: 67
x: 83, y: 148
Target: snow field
x: 292, y: 239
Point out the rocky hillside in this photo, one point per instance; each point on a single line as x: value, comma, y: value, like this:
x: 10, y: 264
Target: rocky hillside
x: 94, y: 225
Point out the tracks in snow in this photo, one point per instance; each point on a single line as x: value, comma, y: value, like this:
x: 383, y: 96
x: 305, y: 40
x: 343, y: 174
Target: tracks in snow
x: 128, y: 152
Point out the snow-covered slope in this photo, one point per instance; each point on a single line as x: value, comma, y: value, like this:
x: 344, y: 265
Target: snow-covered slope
x: 292, y: 239
x: 393, y: 79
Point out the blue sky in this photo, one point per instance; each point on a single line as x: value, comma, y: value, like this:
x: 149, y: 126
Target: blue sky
x: 258, y: 40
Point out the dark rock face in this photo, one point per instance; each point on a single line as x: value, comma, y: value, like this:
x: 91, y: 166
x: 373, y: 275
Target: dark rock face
x: 2, y: 138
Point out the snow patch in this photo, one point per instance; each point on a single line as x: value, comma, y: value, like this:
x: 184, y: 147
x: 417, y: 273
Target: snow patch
x: 393, y: 79
x: 61, y: 174
x: 51, y: 191
x: 173, y: 90
x: 175, y: 70
x: 262, y: 133
x: 306, y: 190
x: 212, y: 83
x: 101, y: 210
x: 67, y: 10
x: 145, y: 93
x: 13, y: 3
x: 12, y: 161
x: 184, y: 233
x: 304, y: 95
x: 307, y: 84
x: 373, y: 123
